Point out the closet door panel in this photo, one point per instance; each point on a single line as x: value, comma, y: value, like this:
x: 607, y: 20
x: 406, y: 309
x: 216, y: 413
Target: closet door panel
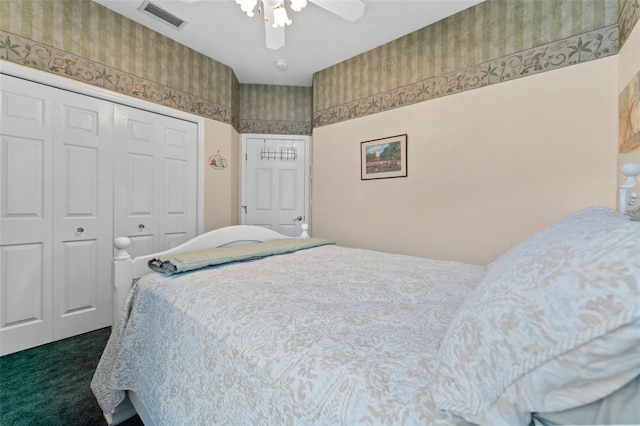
x: 179, y: 178
x: 141, y: 179
x: 175, y: 239
x: 22, y: 265
x: 156, y: 193
x: 141, y: 245
x: 83, y: 194
x: 25, y: 296
x: 25, y: 215
x: 139, y: 209
x: 26, y: 146
x: 135, y: 193
x: 79, y: 292
x: 175, y: 207
x: 25, y: 203
x: 20, y: 107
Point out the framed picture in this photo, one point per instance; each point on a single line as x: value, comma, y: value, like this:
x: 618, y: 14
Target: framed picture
x: 383, y: 158
x: 628, y: 100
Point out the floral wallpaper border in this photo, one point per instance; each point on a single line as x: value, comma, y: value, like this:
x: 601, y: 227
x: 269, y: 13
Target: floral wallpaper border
x: 578, y: 49
x: 629, y: 16
x: 271, y: 109
x: 275, y: 127
x: 27, y: 52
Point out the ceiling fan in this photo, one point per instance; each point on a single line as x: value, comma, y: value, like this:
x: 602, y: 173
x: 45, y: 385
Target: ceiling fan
x: 275, y: 14
x: 351, y: 10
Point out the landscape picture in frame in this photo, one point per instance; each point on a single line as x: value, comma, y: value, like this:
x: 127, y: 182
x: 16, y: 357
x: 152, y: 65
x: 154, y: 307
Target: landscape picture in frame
x: 384, y: 158
x: 629, y: 132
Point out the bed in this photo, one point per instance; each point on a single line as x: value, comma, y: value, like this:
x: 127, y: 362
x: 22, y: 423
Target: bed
x: 245, y: 326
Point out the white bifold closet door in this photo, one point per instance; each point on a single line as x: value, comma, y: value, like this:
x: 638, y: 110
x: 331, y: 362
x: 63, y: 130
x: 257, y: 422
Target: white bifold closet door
x: 155, y: 181
x: 75, y: 172
x: 56, y: 192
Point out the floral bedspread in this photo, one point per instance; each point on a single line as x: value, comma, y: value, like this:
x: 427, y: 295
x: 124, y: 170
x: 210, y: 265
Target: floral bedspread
x: 328, y: 335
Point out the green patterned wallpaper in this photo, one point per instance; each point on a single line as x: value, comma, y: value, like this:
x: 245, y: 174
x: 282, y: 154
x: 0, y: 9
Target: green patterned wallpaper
x: 495, y: 41
x: 629, y: 17
x: 275, y: 109
x: 492, y: 42
x: 85, y: 41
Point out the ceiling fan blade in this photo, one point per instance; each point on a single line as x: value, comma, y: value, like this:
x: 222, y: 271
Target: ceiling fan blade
x: 274, y: 36
x: 351, y: 10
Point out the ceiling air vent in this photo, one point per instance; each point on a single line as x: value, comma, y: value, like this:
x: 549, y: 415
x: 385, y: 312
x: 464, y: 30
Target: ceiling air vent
x: 162, y: 14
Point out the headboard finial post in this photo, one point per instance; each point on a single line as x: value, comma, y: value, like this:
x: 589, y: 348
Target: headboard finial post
x: 631, y: 171
x: 122, y: 244
x: 304, y: 233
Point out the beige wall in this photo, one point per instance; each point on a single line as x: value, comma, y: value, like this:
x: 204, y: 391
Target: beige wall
x: 222, y: 187
x: 628, y: 68
x: 487, y: 167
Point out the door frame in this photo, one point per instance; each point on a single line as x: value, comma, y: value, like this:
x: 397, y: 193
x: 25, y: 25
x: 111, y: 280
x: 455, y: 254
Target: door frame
x: 243, y: 172
x: 56, y: 81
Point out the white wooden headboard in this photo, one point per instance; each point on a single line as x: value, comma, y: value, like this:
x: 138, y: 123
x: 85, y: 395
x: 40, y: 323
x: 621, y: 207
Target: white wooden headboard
x: 126, y: 270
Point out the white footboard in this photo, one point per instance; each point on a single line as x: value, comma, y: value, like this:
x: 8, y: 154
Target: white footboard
x: 128, y: 408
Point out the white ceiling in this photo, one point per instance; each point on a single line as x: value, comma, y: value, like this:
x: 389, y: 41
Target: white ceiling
x: 317, y: 39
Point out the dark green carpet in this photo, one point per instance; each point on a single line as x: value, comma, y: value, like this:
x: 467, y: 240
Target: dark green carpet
x: 50, y: 384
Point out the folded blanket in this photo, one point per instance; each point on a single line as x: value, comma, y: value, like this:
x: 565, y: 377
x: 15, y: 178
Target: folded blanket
x: 188, y: 261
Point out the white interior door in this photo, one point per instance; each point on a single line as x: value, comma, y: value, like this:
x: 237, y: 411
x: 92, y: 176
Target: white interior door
x: 276, y: 182
x: 82, y: 213
x: 155, y: 180
x: 25, y: 215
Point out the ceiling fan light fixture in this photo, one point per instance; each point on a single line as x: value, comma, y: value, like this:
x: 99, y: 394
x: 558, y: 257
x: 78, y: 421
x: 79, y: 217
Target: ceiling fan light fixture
x: 276, y: 19
x: 298, y: 5
x: 280, y: 18
x: 247, y: 6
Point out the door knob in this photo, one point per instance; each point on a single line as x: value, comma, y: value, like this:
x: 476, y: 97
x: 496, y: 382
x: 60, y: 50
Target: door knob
x: 297, y: 219
x: 80, y: 230
x: 140, y: 227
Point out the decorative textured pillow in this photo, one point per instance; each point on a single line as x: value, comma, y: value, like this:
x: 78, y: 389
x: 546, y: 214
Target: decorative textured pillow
x: 620, y: 408
x: 554, y: 324
x: 192, y: 260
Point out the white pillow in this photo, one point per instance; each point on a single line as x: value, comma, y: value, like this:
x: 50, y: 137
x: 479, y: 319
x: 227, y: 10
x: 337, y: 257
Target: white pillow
x: 555, y: 324
x: 620, y: 408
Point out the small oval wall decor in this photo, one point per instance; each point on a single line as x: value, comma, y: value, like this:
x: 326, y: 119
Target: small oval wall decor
x: 218, y: 162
